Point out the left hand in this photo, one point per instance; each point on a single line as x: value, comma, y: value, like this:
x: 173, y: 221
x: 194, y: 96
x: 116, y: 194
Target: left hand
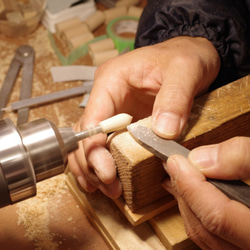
x: 146, y: 81
x: 211, y: 219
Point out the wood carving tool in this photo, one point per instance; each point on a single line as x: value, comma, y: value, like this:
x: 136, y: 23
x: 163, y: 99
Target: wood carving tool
x: 24, y: 57
x: 162, y: 148
x: 38, y: 150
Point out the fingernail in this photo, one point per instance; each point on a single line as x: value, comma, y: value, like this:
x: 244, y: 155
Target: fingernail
x: 204, y: 157
x: 168, y: 124
x: 81, y: 181
x: 172, y: 168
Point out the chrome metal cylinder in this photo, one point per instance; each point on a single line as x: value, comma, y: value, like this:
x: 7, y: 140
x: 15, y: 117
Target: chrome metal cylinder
x: 45, y: 146
x: 16, y: 171
x: 32, y: 152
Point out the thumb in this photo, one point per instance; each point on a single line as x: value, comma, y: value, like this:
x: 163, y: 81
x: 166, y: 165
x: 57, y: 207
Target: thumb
x: 171, y: 109
x: 226, y: 160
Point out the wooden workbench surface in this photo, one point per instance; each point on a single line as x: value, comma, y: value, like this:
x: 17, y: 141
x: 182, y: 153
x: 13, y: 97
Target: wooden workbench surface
x: 66, y: 226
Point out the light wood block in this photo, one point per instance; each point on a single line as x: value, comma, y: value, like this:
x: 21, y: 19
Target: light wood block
x: 75, y: 31
x: 111, y: 223
x: 67, y: 24
x: 170, y: 229
x: 164, y: 232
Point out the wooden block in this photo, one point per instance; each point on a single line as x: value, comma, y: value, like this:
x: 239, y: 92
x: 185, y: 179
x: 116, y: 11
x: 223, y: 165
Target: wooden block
x: 147, y: 212
x: 95, y: 20
x: 101, y: 45
x: 215, y: 117
x: 75, y: 31
x: 69, y: 23
x: 113, y: 13
x: 219, y: 115
x: 79, y: 40
x: 99, y: 58
x: 139, y: 171
x: 169, y: 227
x: 111, y: 223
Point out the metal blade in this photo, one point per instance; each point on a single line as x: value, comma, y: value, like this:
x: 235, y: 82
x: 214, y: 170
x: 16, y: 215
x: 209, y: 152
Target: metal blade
x: 162, y: 148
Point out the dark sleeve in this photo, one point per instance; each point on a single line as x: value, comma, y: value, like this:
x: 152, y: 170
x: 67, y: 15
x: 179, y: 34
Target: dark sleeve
x: 226, y: 23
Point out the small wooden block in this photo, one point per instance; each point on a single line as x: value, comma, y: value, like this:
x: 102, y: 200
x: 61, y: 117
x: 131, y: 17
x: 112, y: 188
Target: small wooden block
x: 168, y: 230
x: 111, y: 223
x: 169, y: 227
x: 75, y: 31
x: 113, y: 13
x: 147, y: 212
x: 95, y: 20
x: 139, y: 170
x: 79, y: 40
x: 215, y: 117
x: 69, y: 23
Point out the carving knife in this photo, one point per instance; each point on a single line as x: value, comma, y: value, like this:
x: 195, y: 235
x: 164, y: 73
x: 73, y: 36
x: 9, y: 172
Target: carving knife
x: 162, y: 148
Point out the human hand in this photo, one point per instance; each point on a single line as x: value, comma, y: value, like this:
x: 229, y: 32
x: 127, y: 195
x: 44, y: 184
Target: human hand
x: 211, y: 219
x: 158, y: 79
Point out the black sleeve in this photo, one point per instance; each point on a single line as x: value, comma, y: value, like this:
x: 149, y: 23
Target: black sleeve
x: 226, y: 23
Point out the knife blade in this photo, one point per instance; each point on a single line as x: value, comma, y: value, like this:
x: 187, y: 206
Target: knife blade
x: 162, y: 148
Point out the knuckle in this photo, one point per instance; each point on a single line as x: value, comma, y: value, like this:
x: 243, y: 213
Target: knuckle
x: 196, y: 235
x: 188, y: 61
x: 216, y: 222
x: 236, y: 151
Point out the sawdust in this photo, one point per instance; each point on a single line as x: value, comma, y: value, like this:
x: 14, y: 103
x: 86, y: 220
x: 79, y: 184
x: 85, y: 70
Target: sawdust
x: 33, y: 213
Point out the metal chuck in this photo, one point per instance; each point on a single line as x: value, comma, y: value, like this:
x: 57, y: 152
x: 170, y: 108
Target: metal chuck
x: 30, y: 153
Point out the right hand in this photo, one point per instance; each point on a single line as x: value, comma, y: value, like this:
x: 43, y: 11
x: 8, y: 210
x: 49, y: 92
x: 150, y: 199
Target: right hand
x: 159, y: 80
x: 211, y: 219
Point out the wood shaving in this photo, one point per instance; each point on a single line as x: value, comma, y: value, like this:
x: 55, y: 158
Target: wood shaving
x: 33, y: 213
